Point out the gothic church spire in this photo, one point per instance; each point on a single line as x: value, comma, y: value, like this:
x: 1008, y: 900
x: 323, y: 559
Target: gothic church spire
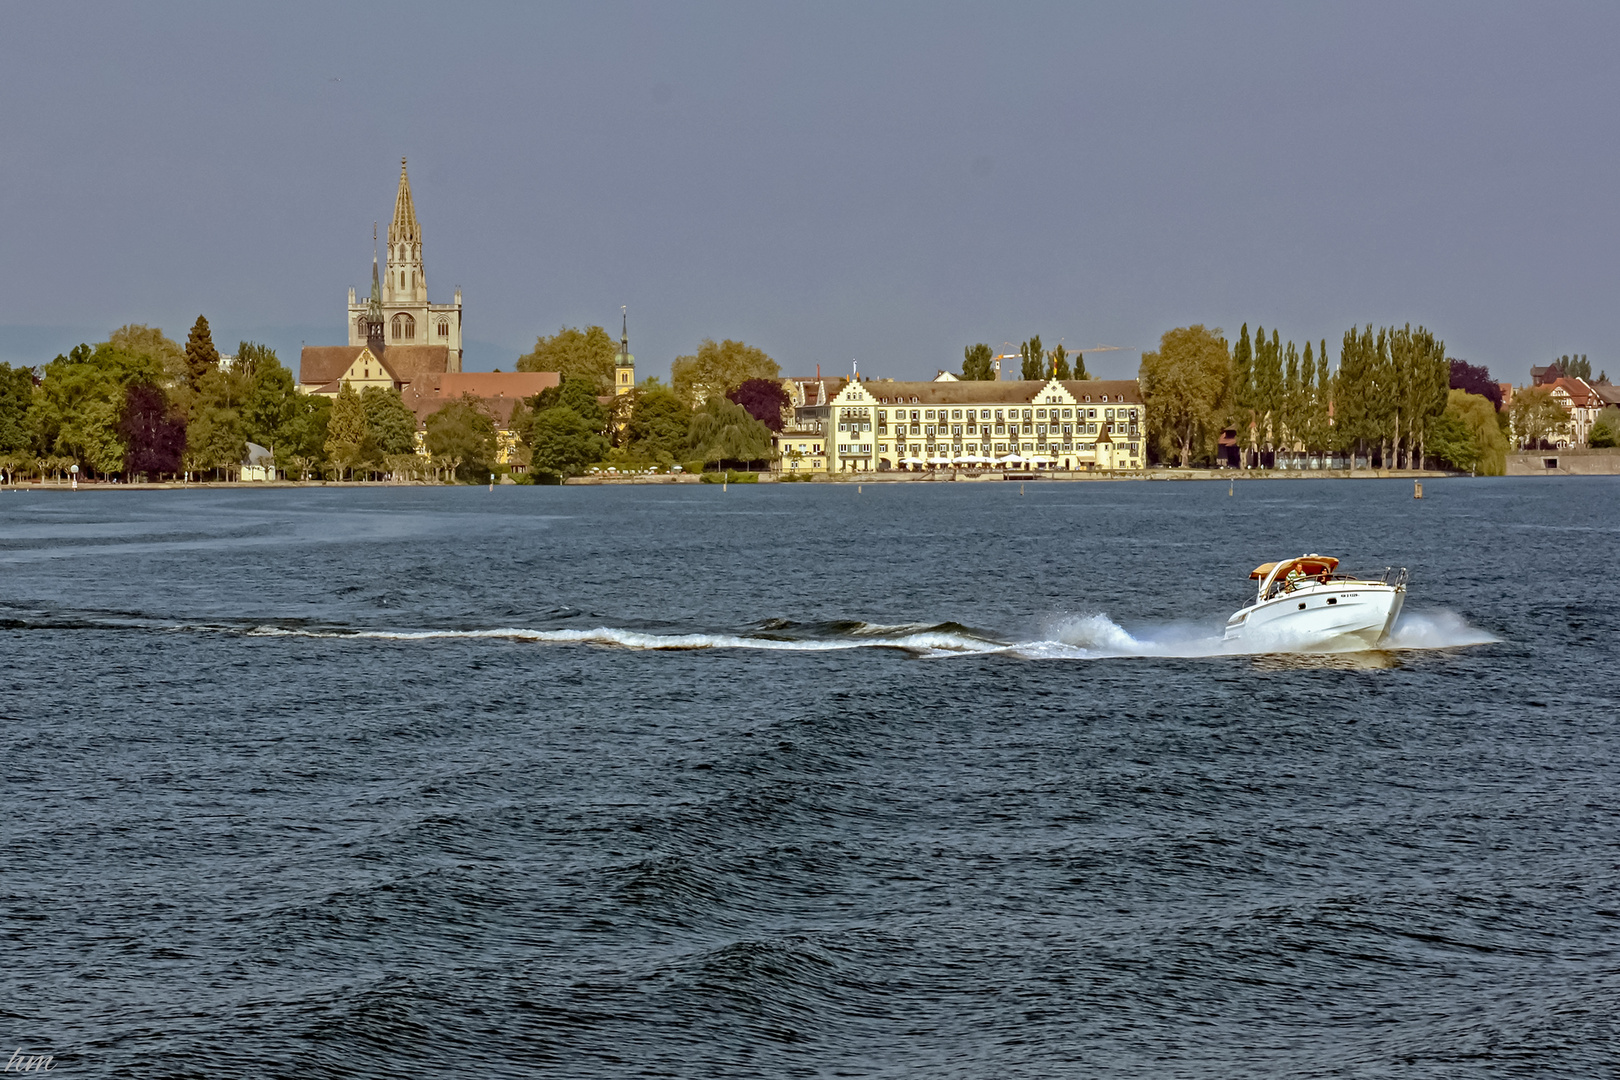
x: 404, y: 229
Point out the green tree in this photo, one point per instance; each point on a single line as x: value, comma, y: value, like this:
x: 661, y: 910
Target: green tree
x: 80, y: 400
x: 1080, y: 371
x: 215, y: 440
x: 1536, y: 415
x: 1186, y: 387
x: 390, y: 425
x: 1268, y: 386
x: 1605, y: 431
x: 201, y: 356
x: 587, y: 354
x: 977, y: 361
x: 300, y: 444
x: 346, y: 432
x: 1466, y: 435
x: 564, y: 443
x: 723, y: 431
x: 461, y: 432
x: 272, y: 402
x: 16, y: 398
x: 1032, y: 363
x: 1322, y: 402
x: 1243, y: 394
x: 1293, y: 397
x: 137, y: 339
x: 717, y: 369
x: 658, y: 426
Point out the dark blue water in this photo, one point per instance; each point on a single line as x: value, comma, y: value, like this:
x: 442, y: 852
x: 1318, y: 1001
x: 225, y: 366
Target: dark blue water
x: 404, y: 782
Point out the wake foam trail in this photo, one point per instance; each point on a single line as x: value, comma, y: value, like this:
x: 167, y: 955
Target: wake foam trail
x: 1077, y: 637
x: 942, y: 640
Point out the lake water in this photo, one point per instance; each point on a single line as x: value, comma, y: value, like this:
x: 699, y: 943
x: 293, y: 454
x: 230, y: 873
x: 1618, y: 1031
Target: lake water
x: 960, y: 783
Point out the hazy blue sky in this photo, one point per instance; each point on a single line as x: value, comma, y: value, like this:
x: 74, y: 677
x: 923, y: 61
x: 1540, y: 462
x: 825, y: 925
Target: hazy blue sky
x: 882, y: 182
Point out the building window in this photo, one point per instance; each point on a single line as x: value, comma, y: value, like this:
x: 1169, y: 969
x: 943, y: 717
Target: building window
x: 404, y: 327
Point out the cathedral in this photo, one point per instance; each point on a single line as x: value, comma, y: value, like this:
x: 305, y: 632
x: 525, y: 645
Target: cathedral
x: 396, y: 335
x: 409, y: 318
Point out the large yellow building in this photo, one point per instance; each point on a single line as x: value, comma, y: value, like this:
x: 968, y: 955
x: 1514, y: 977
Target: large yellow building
x: 1058, y: 425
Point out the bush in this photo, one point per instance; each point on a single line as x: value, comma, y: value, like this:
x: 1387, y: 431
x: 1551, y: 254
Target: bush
x: 730, y: 476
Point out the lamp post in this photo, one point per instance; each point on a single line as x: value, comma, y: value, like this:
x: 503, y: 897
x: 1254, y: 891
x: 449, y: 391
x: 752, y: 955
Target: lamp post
x: 73, y: 471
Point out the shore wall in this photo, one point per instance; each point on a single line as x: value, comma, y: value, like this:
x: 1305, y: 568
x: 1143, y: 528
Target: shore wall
x: 1581, y: 462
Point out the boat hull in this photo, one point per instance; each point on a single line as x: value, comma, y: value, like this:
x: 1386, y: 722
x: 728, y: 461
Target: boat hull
x: 1335, y: 617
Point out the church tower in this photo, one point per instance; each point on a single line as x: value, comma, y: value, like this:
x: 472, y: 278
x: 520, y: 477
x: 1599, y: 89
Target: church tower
x: 407, y: 282
x: 624, y: 366
x: 399, y: 298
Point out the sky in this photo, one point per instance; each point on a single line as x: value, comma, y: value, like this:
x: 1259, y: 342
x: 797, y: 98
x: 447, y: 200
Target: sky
x: 873, y: 183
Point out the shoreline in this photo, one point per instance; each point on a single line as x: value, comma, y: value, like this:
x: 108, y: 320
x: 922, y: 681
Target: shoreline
x: 665, y: 479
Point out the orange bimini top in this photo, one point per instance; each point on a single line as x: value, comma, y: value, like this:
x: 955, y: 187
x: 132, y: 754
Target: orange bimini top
x: 1308, y: 565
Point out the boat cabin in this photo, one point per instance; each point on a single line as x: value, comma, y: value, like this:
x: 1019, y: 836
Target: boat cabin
x: 1277, y: 577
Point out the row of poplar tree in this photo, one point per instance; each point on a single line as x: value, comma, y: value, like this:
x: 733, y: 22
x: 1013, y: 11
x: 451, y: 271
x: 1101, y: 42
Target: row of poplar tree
x: 1390, y: 387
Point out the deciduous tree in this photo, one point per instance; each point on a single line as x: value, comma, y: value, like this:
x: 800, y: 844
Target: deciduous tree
x: 587, y: 354
x: 346, y: 430
x: 765, y: 400
x: 1185, y: 387
x: 716, y: 369
x: 722, y: 431
x: 1536, y: 415
x: 153, y: 431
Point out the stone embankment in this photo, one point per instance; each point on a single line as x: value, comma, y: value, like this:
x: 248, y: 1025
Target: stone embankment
x: 1581, y: 462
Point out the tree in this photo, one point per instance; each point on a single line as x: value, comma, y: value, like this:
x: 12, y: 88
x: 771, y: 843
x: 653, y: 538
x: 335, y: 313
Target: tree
x: 215, y: 440
x: 390, y: 425
x: 1466, y: 435
x: 79, y: 401
x: 564, y: 443
x: 1243, y: 394
x: 1575, y: 367
x: 16, y: 398
x: 201, y: 356
x: 576, y: 394
x: 1186, y: 387
x: 715, y: 370
x: 1060, y: 363
x: 1536, y: 415
x: 722, y: 431
x: 137, y: 339
x: 346, y: 431
x: 1032, y: 359
x: 977, y: 361
x: 272, y: 404
x: 153, y: 431
x: 1605, y: 431
x: 765, y: 400
x: 1475, y: 379
x: 658, y: 426
x: 587, y: 354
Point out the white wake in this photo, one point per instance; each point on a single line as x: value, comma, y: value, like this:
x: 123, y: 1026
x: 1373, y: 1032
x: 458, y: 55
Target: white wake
x: 1077, y: 637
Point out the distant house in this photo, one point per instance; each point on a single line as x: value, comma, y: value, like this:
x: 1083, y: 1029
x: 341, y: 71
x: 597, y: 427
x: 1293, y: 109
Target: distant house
x: 258, y: 464
x: 1581, y: 401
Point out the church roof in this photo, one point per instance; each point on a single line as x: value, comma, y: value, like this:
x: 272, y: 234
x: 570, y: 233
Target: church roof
x: 321, y: 364
x: 404, y: 226
x: 497, y: 391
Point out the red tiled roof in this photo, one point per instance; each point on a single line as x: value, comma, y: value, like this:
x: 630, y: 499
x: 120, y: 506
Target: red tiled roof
x: 319, y: 364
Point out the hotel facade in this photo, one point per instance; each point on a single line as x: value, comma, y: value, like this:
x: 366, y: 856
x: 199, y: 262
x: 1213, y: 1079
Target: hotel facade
x: 1068, y: 425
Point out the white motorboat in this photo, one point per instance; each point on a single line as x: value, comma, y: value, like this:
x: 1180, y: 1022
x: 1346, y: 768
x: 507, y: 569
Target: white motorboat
x: 1304, y: 604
